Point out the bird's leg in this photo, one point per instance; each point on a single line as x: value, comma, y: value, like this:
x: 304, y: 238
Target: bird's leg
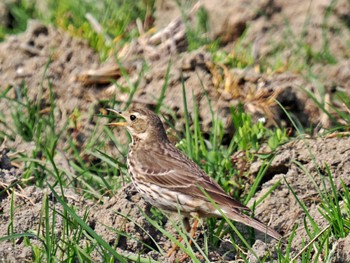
x: 194, y: 229
x: 192, y: 233
x: 174, y: 248
x: 189, y: 229
x: 187, y: 225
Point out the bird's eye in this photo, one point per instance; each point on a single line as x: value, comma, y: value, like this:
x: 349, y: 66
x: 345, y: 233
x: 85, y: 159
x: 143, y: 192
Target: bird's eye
x: 132, y: 117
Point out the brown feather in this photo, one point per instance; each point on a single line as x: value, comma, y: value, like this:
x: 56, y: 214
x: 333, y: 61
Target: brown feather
x: 253, y: 222
x: 184, y: 176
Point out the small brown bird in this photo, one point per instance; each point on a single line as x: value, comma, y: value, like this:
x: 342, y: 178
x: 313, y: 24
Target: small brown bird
x: 169, y: 180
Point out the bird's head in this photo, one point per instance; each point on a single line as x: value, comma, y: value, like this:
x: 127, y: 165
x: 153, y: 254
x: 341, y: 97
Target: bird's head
x: 142, y: 124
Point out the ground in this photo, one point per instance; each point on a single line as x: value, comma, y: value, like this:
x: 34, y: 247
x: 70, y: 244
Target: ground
x: 56, y: 66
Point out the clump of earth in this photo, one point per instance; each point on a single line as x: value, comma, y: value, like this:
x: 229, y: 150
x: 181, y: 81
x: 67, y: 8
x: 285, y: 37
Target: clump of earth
x: 53, y: 64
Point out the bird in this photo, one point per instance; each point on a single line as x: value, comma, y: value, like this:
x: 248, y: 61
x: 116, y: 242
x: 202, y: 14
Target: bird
x: 167, y: 179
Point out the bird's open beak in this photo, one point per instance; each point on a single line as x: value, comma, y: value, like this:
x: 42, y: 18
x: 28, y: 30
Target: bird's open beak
x: 113, y: 124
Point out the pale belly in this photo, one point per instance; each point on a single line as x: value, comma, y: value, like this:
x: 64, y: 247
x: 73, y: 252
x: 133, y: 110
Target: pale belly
x: 172, y: 201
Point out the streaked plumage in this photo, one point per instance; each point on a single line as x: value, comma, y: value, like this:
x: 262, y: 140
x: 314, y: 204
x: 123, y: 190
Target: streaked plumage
x: 169, y: 180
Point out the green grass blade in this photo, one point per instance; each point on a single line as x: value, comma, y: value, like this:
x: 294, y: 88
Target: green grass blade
x: 88, y: 229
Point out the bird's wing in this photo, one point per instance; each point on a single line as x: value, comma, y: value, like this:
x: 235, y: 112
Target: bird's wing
x: 170, y: 168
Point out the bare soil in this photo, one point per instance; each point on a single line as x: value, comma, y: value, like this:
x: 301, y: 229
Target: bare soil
x: 47, y: 58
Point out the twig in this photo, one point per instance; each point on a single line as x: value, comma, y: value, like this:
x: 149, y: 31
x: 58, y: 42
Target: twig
x: 335, y: 134
x: 310, y: 243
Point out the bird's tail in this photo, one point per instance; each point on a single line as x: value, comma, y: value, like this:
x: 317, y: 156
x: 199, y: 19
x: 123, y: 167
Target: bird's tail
x: 238, y: 216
